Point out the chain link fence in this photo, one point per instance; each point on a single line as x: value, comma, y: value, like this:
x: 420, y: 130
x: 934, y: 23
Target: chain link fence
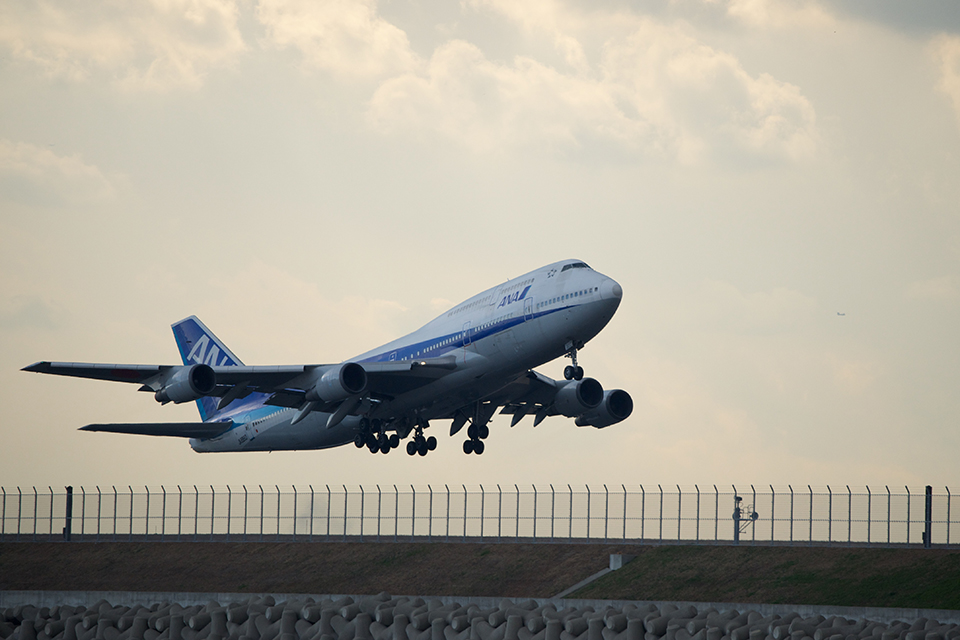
x: 636, y: 514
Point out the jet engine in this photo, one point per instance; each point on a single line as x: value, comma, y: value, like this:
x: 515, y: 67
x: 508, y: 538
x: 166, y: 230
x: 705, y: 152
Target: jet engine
x: 578, y: 396
x: 617, y: 405
x: 349, y: 379
x: 188, y: 384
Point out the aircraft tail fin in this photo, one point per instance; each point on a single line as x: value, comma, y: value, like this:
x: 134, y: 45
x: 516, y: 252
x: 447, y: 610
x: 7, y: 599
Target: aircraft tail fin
x: 198, y: 345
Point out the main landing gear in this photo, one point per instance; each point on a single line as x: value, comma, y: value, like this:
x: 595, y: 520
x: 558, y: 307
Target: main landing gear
x: 419, y: 444
x: 477, y: 434
x: 372, y: 436
x: 573, y: 371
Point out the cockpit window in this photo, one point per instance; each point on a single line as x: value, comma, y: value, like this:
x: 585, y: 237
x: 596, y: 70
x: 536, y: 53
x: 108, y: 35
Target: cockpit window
x: 575, y: 265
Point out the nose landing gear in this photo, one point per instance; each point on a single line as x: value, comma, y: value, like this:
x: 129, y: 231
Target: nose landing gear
x: 573, y: 371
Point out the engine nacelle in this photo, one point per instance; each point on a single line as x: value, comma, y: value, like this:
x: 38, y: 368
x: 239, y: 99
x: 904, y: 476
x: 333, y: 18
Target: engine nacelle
x: 578, y: 397
x: 617, y: 405
x: 188, y: 384
x: 349, y: 379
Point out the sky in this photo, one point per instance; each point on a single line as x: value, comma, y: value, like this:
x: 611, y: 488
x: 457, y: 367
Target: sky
x: 774, y: 183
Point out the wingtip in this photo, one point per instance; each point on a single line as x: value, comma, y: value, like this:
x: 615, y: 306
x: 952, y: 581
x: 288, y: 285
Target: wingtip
x: 37, y: 367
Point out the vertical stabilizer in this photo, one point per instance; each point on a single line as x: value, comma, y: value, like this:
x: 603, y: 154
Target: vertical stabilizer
x: 198, y: 345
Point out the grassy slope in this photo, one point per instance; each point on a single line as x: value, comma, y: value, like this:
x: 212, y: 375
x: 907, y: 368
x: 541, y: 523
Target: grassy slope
x: 843, y: 577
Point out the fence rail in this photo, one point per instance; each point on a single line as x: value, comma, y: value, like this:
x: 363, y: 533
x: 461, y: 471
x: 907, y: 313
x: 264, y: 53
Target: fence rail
x: 636, y: 514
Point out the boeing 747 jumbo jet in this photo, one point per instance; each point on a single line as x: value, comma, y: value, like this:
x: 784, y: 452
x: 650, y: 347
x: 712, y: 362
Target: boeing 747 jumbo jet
x: 462, y: 366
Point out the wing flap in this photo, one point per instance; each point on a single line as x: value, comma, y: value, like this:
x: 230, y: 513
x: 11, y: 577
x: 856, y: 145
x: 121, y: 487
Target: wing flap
x: 173, y: 429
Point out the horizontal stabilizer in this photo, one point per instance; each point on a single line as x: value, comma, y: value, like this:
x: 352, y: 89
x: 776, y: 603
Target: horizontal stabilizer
x: 174, y: 429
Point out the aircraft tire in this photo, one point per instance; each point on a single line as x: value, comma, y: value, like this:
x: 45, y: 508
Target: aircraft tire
x: 411, y: 448
x: 364, y: 424
x: 468, y: 446
x: 385, y: 447
x: 578, y: 373
x: 394, y: 441
x: 422, y: 448
x: 359, y: 441
x: 472, y: 432
x: 373, y: 446
x: 568, y: 372
x: 431, y: 443
x: 478, y: 447
x: 483, y: 432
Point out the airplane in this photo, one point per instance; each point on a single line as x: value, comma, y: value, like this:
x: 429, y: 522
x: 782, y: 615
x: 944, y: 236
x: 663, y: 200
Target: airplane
x: 462, y: 366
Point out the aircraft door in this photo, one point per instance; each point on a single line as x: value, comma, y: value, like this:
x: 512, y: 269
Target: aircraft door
x: 467, y: 333
x: 527, y: 309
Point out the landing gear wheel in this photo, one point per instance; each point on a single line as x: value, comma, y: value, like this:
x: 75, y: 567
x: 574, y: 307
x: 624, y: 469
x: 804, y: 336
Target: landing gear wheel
x: 472, y: 432
x: 578, y: 373
x: 422, y: 448
x: 385, y: 447
x: 411, y: 448
x: 394, y: 441
x: 483, y: 432
x: 364, y: 424
x: 468, y: 446
x: 568, y: 372
x: 373, y: 446
x: 359, y: 441
x: 478, y: 447
x: 431, y: 443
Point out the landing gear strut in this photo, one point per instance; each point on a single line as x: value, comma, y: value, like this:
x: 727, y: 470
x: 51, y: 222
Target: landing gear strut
x: 573, y: 371
x: 421, y: 445
x: 372, y: 436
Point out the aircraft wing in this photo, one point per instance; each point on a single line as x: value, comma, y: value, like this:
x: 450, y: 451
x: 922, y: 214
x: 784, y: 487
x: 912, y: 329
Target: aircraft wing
x: 174, y: 429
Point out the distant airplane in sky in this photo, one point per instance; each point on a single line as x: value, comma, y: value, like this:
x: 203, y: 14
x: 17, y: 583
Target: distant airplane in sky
x: 462, y: 366
x: 840, y: 314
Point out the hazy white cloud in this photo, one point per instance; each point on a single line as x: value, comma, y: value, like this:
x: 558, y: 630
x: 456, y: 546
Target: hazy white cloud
x: 345, y: 37
x: 778, y: 13
x: 656, y: 91
x: 724, y: 306
x: 942, y: 288
x: 945, y: 50
x: 27, y: 170
x: 156, y: 44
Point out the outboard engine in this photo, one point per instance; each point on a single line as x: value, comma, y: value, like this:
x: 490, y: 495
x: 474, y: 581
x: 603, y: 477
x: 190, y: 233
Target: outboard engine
x: 578, y: 396
x: 617, y: 405
x: 188, y: 384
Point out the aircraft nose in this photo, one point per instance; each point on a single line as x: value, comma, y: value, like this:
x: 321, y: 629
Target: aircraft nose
x: 611, y: 290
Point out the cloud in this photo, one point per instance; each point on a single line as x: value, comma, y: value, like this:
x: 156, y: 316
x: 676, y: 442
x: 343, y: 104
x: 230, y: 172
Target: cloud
x: 943, y: 288
x: 31, y: 172
x: 778, y: 13
x: 655, y: 91
x: 152, y: 45
x: 945, y: 50
x: 780, y: 309
x: 344, y: 37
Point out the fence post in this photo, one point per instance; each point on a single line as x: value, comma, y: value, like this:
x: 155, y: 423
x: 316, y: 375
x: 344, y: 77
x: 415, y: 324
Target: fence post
x: 213, y: 510
x: 791, y: 513
x: 295, y: 496
x: 116, y: 499
x: 465, y: 510
x: 363, y: 499
x: 679, y: 509
x: 773, y: 502
x: 50, y: 518
x: 413, y: 512
x: 179, y: 512
x: 869, y: 513
x: 570, y: 534
x: 810, y: 541
x: 589, y: 500
x: 246, y: 512
x: 163, y: 514
x: 736, y: 516
x: 661, y: 512
x: 447, y: 487
x: 535, y: 495
x: 35, y: 500
x: 262, y: 503
x: 643, y: 511
x: 606, y: 513
x: 130, y: 530
x: 624, y: 487
x: 328, y: 514
x: 396, y: 512
x: 313, y: 505
x: 98, y: 513
x: 146, y: 523
x: 887, y: 487
x: 379, y: 506
x: 949, y: 499
x: 553, y: 513
x: 927, y: 516
x: 19, y: 511
x: 430, y: 515
x: 698, y: 512
x: 849, y: 516
x: 346, y: 499
x: 517, y: 522
x: 716, y: 514
x: 3, y: 515
x: 68, y: 516
x: 278, y: 511
x: 829, y: 515
x: 499, y: 512
x: 753, y: 527
x: 483, y: 502
x: 229, y: 510
x: 908, y: 512
x: 196, y: 512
